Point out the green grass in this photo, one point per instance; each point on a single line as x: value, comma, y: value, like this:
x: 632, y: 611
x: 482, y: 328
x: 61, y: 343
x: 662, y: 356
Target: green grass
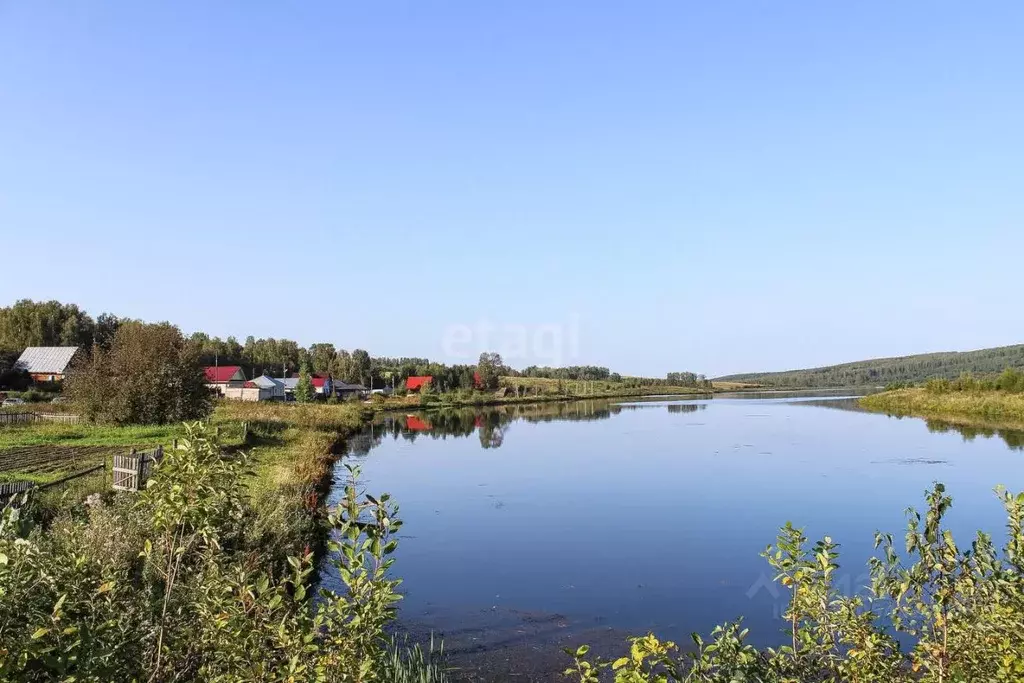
x: 36, y: 434
x: 989, y: 408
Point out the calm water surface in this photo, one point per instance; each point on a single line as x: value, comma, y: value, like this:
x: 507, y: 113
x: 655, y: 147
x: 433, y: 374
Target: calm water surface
x: 651, y: 515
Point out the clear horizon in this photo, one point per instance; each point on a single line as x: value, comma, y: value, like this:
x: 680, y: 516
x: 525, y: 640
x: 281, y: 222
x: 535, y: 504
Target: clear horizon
x: 720, y: 189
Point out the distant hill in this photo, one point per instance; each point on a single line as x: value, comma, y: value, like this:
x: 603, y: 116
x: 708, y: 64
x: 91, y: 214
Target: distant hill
x: 881, y: 371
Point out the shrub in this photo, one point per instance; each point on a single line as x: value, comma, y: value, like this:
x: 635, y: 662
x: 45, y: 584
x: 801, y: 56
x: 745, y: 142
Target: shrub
x: 175, y: 584
x: 1011, y: 381
x: 150, y: 375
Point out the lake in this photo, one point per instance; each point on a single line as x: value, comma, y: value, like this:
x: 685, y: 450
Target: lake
x: 533, y: 526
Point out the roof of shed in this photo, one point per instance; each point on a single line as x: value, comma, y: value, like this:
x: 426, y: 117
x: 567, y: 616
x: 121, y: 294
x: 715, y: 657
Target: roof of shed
x: 46, y: 360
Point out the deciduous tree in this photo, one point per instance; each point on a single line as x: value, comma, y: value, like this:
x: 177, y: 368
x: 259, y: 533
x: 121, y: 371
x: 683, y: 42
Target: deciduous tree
x: 149, y: 375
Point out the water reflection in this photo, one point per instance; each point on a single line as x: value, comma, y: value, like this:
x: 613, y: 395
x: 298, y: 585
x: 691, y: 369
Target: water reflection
x: 685, y: 407
x: 491, y: 424
x: 1013, y: 438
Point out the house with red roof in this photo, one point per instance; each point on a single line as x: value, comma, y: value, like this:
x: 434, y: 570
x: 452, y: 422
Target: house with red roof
x: 221, y: 377
x: 417, y: 382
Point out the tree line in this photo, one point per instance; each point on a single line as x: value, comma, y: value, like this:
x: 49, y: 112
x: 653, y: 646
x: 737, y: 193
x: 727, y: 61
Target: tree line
x: 688, y: 379
x: 886, y: 371
x: 52, y: 323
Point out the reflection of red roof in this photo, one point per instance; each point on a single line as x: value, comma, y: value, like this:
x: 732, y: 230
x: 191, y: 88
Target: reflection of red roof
x: 414, y: 383
x: 416, y: 424
x: 249, y: 385
x: 219, y: 374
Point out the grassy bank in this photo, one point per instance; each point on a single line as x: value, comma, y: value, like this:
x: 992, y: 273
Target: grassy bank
x: 520, y: 390
x: 291, y: 449
x: 292, y: 444
x: 993, y: 408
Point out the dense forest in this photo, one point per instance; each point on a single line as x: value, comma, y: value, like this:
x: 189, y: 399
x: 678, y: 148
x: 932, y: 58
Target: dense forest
x: 52, y: 323
x: 884, y: 371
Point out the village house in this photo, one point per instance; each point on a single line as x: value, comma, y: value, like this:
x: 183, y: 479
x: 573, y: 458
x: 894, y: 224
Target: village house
x: 417, y: 382
x: 323, y: 386
x: 344, y: 390
x: 328, y: 387
x: 272, y: 389
x: 46, y: 363
x: 289, y: 384
x: 219, y: 378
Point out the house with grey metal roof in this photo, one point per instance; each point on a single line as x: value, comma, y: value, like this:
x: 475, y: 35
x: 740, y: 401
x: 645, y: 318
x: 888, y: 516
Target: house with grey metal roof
x: 46, y: 363
x: 273, y: 386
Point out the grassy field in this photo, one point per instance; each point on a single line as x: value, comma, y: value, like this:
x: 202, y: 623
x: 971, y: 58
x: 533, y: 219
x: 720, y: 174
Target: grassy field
x: 991, y: 408
x: 37, y: 434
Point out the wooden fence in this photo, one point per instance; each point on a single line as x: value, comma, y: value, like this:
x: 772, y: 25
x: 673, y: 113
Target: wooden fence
x: 8, y: 489
x: 59, y: 418
x: 25, y: 418
x: 16, y: 418
x: 132, y: 471
x: 11, y: 488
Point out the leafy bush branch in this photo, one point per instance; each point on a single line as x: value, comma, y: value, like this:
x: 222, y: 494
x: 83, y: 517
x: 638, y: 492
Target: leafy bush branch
x: 962, y: 607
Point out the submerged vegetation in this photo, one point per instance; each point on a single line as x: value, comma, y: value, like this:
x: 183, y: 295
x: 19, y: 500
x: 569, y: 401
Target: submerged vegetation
x: 961, y: 609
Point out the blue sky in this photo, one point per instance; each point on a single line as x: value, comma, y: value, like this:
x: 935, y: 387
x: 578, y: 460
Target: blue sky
x: 713, y: 186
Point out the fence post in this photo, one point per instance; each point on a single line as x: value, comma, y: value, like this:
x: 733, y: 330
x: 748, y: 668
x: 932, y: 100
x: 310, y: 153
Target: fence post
x: 140, y: 461
x: 174, y: 444
x: 245, y: 433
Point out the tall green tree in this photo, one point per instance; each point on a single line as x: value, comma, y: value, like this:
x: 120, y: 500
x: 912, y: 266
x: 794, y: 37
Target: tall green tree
x: 304, y: 391
x: 489, y: 368
x: 361, y: 367
x: 44, y: 323
x: 321, y: 357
